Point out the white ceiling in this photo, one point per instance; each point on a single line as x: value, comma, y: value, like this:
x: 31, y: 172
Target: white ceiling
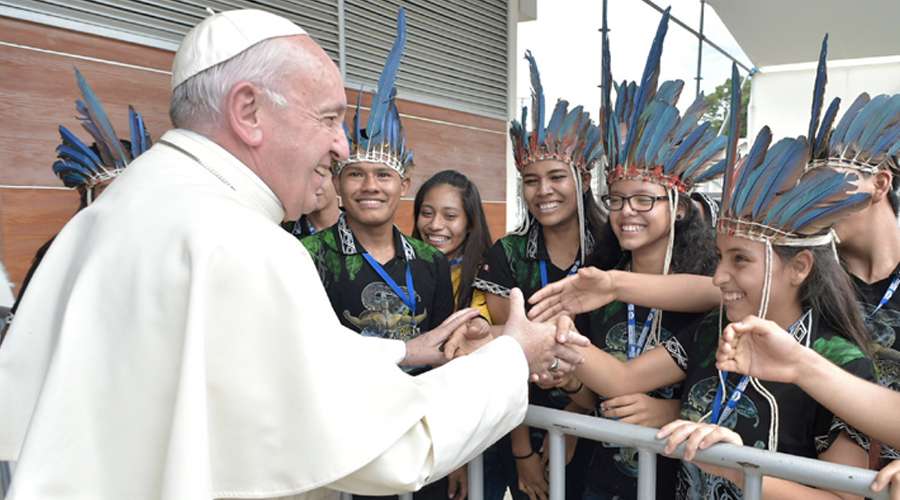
x: 773, y: 32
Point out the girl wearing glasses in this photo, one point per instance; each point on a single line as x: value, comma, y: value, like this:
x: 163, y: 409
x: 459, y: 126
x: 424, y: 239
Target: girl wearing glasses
x: 650, y: 177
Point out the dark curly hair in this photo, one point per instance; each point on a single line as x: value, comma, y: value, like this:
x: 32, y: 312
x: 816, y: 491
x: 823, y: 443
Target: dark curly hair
x: 694, y: 248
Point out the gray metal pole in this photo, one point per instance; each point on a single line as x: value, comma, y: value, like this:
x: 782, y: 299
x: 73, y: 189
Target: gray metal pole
x: 700, y: 40
x: 557, y: 465
x: 694, y: 32
x: 476, y: 478
x: 752, y: 484
x: 816, y: 473
x: 646, y: 475
x: 406, y: 496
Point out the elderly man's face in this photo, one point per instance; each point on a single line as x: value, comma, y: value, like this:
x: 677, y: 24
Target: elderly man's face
x: 304, y: 137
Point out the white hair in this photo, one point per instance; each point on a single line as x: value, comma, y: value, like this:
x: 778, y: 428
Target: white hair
x: 197, y: 101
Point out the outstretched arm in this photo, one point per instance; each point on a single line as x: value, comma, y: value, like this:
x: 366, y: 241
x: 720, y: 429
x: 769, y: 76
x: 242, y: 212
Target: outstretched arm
x: 609, y: 377
x: 762, y: 349
x: 592, y: 289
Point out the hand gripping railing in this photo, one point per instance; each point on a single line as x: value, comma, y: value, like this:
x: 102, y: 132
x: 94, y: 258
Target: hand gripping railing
x: 755, y: 463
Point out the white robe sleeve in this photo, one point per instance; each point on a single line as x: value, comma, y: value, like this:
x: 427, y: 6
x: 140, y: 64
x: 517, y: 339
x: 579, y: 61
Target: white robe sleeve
x: 448, y: 437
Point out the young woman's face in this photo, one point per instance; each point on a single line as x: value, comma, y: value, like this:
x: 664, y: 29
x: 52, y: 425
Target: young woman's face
x: 636, y: 227
x: 550, y: 192
x: 740, y: 275
x: 442, y: 220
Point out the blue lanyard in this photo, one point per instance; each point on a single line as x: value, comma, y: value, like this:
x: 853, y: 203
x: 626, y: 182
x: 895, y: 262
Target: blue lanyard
x: 455, y: 261
x: 543, y: 265
x: 718, y: 414
x: 408, y: 298
x: 636, y: 347
x: 886, y: 298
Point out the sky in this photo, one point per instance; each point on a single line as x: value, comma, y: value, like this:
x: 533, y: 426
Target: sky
x: 566, y: 42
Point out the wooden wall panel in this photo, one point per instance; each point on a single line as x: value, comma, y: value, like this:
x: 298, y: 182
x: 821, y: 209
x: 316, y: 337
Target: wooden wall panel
x: 28, y: 218
x: 38, y: 91
x: 42, y: 97
x: 83, y: 44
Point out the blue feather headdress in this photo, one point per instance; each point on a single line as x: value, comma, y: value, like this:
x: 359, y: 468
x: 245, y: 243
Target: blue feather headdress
x: 82, y: 166
x: 570, y: 136
x: 382, y: 140
x: 867, y: 138
x: 645, y: 136
x: 768, y: 196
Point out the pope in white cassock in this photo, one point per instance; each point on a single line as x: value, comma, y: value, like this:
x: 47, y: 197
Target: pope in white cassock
x: 176, y: 343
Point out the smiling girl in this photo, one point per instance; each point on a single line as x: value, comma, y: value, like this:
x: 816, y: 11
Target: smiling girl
x: 656, y: 224
x: 554, y: 160
x: 449, y: 216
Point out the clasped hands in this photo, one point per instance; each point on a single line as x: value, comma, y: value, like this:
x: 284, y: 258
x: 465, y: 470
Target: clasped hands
x: 551, y: 349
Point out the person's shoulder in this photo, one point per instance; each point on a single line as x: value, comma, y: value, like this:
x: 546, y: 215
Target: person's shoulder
x: 321, y: 241
x: 837, y: 348
x: 513, y: 245
x: 424, y: 251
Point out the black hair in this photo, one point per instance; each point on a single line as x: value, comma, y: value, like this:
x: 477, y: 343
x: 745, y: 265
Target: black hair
x: 694, y: 248
x: 830, y: 293
x: 893, y: 198
x: 607, y: 252
x: 478, y: 235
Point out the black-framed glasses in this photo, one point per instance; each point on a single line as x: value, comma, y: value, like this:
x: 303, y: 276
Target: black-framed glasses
x: 637, y: 202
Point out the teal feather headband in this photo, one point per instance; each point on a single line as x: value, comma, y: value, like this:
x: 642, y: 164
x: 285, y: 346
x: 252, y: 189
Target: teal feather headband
x: 82, y: 166
x: 570, y: 136
x: 382, y: 140
x: 770, y: 197
x: 645, y: 136
x: 766, y: 196
x: 867, y: 137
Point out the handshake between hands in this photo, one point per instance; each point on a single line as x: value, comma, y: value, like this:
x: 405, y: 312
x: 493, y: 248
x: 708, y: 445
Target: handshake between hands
x: 552, y: 349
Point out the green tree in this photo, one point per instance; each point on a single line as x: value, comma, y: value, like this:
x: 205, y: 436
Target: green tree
x: 717, y: 106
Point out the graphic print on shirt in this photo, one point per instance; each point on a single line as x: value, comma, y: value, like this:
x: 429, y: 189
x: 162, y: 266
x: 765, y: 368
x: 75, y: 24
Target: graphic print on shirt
x: 385, y: 315
x: 769, y: 415
x: 616, y: 344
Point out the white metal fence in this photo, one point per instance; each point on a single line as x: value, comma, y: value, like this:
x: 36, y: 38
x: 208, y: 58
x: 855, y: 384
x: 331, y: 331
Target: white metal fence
x: 755, y: 463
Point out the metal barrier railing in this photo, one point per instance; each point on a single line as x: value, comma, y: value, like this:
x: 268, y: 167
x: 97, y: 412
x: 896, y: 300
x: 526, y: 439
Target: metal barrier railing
x: 755, y: 463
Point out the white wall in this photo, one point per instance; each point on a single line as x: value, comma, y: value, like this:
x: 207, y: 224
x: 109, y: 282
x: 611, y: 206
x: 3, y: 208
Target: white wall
x: 781, y: 97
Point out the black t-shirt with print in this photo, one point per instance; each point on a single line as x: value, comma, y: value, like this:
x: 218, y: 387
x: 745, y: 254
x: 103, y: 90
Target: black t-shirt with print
x: 884, y: 327
x: 514, y: 262
x: 361, y: 298
x: 781, y: 417
x: 614, y: 469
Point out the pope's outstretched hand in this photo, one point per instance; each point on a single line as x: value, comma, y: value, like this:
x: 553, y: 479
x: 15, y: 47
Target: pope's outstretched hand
x: 552, y: 350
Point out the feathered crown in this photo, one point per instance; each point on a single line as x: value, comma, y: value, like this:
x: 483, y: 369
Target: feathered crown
x: 766, y: 196
x: 82, y: 166
x: 383, y: 140
x: 867, y: 138
x: 645, y: 136
x: 570, y: 136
